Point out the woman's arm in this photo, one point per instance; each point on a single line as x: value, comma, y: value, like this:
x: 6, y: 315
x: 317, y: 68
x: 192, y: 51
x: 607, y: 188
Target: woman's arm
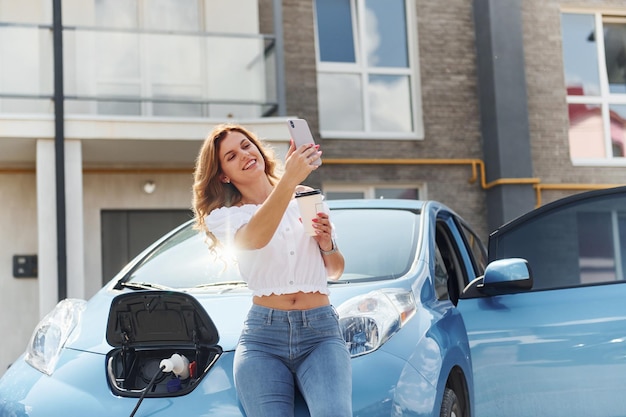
x: 334, y: 263
x: 333, y: 259
x: 259, y: 230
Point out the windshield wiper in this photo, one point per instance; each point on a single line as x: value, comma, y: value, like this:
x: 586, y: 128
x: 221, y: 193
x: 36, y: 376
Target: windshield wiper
x: 222, y: 283
x: 144, y: 286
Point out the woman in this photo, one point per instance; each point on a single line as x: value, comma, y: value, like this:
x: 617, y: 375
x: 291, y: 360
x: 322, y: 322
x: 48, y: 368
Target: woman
x: 291, y: 334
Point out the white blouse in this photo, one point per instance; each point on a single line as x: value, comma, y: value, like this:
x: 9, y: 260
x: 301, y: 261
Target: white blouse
x: 289, y: 263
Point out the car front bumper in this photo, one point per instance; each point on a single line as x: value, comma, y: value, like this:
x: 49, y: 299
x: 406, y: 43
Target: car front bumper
x: 78, y: 387
x: 383, y: 385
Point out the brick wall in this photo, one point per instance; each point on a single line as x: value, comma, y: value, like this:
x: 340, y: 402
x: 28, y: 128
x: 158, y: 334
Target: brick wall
x: 451, y: 123
x: 547, y: 97
x: 447, y: 55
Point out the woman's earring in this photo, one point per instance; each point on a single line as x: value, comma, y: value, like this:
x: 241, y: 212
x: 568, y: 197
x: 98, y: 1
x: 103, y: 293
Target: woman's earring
x: 226, y: 180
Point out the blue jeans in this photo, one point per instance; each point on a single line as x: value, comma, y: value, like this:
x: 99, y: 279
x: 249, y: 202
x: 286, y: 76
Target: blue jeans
x: 279, y: 349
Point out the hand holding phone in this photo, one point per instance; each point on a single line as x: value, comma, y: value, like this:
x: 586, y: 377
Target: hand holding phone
x: 301, y: 134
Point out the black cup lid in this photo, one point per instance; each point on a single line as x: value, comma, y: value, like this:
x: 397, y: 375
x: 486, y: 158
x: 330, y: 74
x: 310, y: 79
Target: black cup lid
x: 306, y: 193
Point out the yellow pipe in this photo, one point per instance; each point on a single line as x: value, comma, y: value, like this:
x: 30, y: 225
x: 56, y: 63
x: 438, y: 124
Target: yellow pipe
x: 476, y: 164
x: 569, y: 187
x: 17, y: 170
x: 576, y: 186
x: 138, y: 171
x: 108, y: 171
x: 412, y: 161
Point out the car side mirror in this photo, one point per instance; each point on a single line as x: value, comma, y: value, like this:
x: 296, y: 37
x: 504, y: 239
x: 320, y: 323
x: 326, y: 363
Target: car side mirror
x: 504, y: 276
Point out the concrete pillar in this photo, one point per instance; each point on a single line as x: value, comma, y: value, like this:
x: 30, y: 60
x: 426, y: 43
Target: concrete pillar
x: 75, y: 220
x: 47, y: 227
x: 503, y: 107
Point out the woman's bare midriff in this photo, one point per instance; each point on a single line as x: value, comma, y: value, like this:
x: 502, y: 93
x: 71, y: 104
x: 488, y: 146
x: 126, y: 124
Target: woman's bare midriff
x: 295, y: 301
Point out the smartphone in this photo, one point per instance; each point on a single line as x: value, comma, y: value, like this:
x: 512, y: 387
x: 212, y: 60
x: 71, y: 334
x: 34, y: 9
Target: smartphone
x: 301, y: 134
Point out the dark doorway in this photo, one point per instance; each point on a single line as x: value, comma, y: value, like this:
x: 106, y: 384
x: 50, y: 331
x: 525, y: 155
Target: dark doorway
x: 126, y: 233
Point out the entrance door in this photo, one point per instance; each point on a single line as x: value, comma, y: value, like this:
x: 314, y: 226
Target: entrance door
x: 126, y: 233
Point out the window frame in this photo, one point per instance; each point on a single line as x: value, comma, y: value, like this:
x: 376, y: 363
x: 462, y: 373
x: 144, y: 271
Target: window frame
x: 361, y: 68
x: 369, y: 190
x: 605, y: 99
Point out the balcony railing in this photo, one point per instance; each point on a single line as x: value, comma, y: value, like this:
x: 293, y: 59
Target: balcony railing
x: 140, y: 73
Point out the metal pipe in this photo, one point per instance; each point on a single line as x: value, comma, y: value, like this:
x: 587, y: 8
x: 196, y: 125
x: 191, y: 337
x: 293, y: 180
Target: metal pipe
x: 279, y: 48
x: 59, y: 149
x: 476, y: 164
x: 539, y: 188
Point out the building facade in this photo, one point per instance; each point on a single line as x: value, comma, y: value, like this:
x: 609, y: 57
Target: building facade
x: 490, y: 107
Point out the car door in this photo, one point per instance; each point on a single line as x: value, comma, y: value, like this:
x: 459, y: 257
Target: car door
x: 560, y: 348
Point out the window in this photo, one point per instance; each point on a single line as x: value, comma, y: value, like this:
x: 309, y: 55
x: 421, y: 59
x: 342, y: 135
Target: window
x: 368, y: 85
x: 388, y: 256
x: 183, y: 260
x: 337, y: 192
x: 594, y: 55
x: 449, y: 276
x: 476, y: 248
x: 441, y: 276
x: 581, y: 243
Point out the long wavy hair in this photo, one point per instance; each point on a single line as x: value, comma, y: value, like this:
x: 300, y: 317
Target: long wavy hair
x: 209, y: 192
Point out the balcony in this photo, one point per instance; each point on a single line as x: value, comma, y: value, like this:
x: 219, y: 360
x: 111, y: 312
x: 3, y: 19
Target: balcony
x: 112, y: 72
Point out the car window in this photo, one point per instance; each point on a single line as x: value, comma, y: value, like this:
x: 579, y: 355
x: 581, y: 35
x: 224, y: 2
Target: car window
x: 581, y: 243
x: 476, y: 249
x: 376, y: 244
x: 183, y: 261
x: 449, y: 278
x: 441, y: 276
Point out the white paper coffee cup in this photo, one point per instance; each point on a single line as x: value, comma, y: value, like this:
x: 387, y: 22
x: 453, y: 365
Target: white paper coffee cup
x: 310, y: 203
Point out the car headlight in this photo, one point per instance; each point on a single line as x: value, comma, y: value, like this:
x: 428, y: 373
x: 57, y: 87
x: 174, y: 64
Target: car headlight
x: 370, y: 320
x: 51, y: 333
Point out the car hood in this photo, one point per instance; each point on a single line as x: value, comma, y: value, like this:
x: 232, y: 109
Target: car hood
x: 225, y: 311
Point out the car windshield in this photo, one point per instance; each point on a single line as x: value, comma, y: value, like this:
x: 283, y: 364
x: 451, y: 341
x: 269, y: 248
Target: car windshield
x: 376, y: 243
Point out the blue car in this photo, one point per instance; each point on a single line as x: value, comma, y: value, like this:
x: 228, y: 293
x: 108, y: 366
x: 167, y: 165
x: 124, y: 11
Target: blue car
x: 434, y: 326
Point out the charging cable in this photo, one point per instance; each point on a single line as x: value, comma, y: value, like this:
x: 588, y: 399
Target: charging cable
x: 177, y: 364
x: 148, y: 388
